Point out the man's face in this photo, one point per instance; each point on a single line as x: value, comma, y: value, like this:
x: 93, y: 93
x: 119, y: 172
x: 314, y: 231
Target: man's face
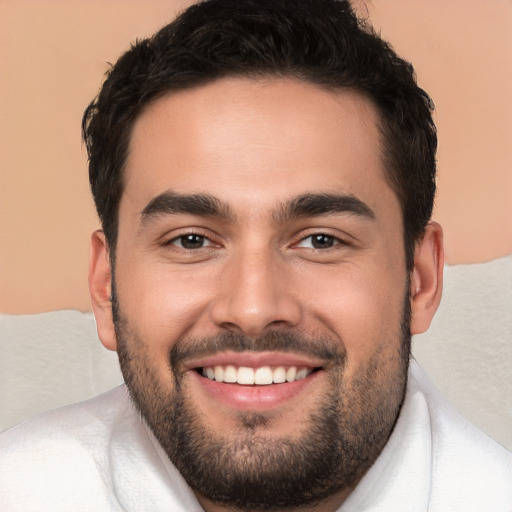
x: 259, y: 240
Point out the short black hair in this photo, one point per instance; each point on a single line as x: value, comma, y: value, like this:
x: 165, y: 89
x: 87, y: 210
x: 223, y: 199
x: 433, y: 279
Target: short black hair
x: 318, y: 41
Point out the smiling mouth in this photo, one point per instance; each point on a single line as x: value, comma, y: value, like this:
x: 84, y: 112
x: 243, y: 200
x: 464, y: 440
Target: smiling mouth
x: 262, y: 376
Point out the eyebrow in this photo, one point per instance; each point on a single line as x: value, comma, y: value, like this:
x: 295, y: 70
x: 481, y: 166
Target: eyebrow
x: 315, y: 205
x: 170, y: 203
x: 306, y: 205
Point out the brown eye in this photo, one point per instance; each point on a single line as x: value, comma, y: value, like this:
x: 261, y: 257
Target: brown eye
x: 319, y: 241
x: 191, y: 241
x: 322, y: 241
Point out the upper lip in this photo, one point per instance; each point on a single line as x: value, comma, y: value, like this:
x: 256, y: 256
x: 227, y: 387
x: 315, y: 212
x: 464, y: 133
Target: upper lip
x: 254, y: 360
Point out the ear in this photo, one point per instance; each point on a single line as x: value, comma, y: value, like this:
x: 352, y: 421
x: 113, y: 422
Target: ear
x: 427, y: 278
x: 100, y: 286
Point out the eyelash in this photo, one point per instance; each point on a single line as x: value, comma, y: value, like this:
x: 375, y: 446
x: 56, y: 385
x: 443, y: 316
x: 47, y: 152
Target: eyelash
x: 333, y: 240
x: 183, y: 236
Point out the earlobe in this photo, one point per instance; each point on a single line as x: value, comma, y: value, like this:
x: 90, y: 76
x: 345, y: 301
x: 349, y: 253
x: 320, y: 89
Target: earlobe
x: 100, y: 286
x: 427, y: 278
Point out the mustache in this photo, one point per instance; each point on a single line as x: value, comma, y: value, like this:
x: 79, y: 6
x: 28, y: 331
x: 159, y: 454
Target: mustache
x: 192, y: 348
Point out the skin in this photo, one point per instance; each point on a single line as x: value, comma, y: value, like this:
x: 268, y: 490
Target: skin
x: 256, y: 146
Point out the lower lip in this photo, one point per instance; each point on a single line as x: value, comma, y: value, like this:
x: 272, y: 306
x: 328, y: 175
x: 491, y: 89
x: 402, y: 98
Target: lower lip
x: 254, y: 398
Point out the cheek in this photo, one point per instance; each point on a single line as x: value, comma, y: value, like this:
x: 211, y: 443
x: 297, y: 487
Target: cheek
x: 163, y: 304
x: 362, y: 309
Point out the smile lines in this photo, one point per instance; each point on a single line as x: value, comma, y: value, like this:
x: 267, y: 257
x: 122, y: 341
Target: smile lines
x: 262, y: 376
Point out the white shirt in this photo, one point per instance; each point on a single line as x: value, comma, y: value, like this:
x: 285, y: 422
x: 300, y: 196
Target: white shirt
x: 99, y: 456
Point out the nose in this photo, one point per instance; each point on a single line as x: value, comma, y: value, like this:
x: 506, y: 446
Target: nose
x: 256, y: 294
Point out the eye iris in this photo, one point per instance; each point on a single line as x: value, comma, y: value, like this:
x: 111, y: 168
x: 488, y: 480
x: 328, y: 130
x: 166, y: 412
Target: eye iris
x: 322, y: 241
x: 192, y: 241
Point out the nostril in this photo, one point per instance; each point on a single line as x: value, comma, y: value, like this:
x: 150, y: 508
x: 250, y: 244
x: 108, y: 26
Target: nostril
x: 252, y: 308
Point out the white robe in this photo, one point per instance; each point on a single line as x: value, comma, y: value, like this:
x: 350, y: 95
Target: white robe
x: 99, y: 456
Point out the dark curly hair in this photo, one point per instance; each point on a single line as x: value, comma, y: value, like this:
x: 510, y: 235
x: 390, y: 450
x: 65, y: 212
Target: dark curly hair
x: 318, y: 41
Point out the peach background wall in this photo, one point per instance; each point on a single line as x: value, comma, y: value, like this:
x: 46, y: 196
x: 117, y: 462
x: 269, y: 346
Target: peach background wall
x: 54, y: 53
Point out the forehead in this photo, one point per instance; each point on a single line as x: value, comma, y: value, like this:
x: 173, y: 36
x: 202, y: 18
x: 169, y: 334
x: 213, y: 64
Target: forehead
x: 251, y: 142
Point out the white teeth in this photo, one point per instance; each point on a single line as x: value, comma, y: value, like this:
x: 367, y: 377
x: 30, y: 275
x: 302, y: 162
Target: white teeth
x: 245, y: 375
x: 291, y: 373
x: 302, y: 374
x: 262, y: 376
x: 279, y: 375
x: 230, y: 374
x: 219, y: 374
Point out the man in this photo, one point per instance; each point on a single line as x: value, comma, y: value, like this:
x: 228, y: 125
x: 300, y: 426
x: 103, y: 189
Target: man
x: 264, y: 172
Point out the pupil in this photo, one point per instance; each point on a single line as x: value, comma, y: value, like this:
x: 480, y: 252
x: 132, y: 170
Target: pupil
x: 322, y: 241
x: 192, y: 241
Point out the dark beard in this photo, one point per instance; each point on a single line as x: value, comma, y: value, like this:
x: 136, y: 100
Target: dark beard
x: 248, y: 468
